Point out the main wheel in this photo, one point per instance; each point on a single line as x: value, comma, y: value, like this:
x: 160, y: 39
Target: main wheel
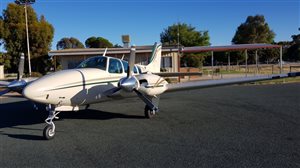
x: 149, y: 113
x: 48, y: 132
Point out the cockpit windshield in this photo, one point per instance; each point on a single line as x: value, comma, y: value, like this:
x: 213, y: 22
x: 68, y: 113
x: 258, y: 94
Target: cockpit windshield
x: 94, y: 62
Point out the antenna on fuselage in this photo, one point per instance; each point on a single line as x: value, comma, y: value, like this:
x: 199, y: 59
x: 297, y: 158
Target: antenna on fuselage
x: 105, y: 51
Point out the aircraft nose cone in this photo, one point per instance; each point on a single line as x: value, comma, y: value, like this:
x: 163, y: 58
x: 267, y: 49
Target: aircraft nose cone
x: 29, y: 92
x: 34, y: 93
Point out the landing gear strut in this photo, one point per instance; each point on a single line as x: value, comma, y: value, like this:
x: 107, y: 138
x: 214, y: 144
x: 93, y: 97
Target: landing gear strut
x: 49, y: 130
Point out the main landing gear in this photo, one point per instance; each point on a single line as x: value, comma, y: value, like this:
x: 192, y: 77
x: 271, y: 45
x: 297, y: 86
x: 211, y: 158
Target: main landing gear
x: 49, y: 130
x: 151, y: 107
x: 150, y: 113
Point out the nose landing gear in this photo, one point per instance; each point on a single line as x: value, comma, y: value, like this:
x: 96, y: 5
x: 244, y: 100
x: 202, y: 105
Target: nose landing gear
x: 49, y: 130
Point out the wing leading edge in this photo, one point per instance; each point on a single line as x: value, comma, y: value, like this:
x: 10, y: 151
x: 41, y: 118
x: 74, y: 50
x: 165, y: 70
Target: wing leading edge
x: 222, y: 82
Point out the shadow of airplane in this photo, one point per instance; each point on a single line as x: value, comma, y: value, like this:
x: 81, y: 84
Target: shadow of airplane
x: 22, y: 113
x: 24, y: 136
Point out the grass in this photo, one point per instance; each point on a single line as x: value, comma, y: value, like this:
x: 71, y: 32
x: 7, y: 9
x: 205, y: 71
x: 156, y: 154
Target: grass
x: 279, y: 81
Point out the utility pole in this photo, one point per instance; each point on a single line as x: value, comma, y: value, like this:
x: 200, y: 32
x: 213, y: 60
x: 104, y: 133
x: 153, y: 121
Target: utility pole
x: 26, y: 3
x: 178, y: 54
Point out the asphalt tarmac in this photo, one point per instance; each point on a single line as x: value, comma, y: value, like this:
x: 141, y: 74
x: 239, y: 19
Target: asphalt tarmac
x: 234, y: 126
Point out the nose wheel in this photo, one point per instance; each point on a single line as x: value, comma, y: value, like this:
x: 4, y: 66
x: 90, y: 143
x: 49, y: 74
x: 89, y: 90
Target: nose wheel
x: 49, y: 130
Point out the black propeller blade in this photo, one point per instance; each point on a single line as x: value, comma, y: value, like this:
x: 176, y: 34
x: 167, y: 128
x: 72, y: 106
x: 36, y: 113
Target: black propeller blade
x: 21, y: 66
x: 131, y: 61
x: 16, y: 85
x: 3, y: 92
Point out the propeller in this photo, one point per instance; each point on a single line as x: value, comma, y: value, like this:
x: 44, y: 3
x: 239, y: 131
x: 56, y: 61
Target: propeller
x: 130, y: 83
x: 18, y: 84
x: 21, y: 66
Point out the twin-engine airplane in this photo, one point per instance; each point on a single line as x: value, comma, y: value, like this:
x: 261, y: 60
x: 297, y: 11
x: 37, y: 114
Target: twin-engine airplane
x: 103, y: 78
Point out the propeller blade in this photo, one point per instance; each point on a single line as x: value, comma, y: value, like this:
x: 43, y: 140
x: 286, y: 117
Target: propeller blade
x: 112, y: 91
x: 3, y: 92
x: 146, y: 100
x: 131, y: 61
x: 4, y: 84
x: 21, y: 66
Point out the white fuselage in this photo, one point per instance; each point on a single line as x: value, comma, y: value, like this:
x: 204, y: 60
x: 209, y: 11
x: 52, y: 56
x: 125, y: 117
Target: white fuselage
x: 73, y: 87
x: 90, y: 83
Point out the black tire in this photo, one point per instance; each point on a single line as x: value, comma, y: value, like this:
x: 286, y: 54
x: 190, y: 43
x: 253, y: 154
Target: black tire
x: 149, y: 113
x: 48, y: 133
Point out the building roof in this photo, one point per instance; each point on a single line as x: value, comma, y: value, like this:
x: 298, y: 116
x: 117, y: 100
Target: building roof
x: 148, y: 49
x: 236, y: 47
x: 110, y: 51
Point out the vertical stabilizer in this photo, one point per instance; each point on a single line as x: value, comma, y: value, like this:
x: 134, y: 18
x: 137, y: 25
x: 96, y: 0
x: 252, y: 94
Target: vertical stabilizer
x: 155, y: 59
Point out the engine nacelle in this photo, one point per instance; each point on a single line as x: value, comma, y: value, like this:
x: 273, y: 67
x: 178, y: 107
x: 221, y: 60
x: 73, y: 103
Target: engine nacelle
x: 151, y: 85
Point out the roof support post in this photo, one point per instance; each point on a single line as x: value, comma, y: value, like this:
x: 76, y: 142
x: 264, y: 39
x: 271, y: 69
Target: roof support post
x: 280, y: 59
x: 228, y: 60
x: 178, y: 63
x: 212, y: 64
x: 256, y: 61
x: 246, y: 62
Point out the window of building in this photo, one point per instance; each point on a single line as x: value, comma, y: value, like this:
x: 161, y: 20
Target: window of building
x: 166, y: 62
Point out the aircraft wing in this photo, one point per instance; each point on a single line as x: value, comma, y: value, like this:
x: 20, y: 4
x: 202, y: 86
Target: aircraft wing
x: 221, y: 82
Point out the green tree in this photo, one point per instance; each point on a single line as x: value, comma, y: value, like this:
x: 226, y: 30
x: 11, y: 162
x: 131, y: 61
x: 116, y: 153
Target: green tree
x: 5, y: 60
x: 13, y: 35
x: 66, y: 43
x: 1, y: 30
x: 188, y: 36
x: 98, y: 42
x: 293, y: 52
x: 254, y: 30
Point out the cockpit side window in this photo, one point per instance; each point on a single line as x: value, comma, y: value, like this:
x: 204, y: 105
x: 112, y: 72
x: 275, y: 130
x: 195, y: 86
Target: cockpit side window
x: 115, y: 66
x: 94, y: 62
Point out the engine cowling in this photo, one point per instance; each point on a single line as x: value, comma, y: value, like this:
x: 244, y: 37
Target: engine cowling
x: 151, y: 85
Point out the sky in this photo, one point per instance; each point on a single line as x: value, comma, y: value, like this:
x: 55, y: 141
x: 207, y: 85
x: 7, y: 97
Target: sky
x: 144, y: 20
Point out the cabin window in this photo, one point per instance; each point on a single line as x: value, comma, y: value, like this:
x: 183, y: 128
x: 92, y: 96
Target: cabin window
x: 115, y: 66
x: 94, y: 62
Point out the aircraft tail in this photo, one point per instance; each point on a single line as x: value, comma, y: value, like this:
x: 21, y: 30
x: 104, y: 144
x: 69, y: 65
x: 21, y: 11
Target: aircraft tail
x: 155, y: 59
